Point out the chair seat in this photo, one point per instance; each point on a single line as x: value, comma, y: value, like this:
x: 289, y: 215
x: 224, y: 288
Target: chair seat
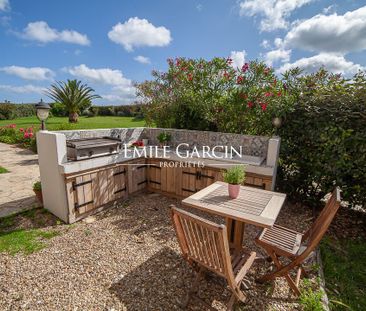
x: 285, y: 242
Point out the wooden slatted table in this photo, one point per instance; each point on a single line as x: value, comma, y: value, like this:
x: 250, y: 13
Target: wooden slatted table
x: 254, y: 206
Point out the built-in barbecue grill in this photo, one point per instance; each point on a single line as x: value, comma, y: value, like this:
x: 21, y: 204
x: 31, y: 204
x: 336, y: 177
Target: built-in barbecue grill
x: 80, y: 149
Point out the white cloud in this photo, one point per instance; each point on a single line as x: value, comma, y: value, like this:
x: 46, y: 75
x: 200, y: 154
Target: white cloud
x: 41, y: 32
x: 278, y: 42
x: 332, y: 62
x: 118, y: 99
x: 272, y: 12
x: 330, y: 9
x: 330, y: 33
x: 122, y: 88
x: 138, y: 32
x: 238, y: 58
x: 4, y: 5
x: 29, y: 73
x: 277, y: 55
x: 265, y: 44
x: 199, y: 7
x: 101, y: 75
x: 26, y: 89
x: 142, y: 59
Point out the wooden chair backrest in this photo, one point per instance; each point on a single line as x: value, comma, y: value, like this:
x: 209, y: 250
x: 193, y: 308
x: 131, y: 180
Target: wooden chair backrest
x: 203, y: 242
x: 322, y: 223
x: 316, y: 232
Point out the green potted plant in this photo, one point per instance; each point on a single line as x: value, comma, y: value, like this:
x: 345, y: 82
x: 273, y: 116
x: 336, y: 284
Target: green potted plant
x: 37, y: 188
x: 234, y: 176
x: 163, y: 138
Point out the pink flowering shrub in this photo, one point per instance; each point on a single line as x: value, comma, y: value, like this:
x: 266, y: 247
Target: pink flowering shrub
x: 214, y: 95
x: 10, y: 134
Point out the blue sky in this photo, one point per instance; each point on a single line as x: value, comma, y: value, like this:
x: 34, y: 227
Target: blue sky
x: 111, y: 44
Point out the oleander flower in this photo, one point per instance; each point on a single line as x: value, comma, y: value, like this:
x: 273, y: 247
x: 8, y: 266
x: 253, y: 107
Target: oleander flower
x: 245, y: 67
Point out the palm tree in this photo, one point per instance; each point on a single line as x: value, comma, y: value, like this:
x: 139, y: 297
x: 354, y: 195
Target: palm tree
x: 74, y: 95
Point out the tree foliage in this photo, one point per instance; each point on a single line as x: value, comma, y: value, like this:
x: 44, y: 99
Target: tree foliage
x: 213, y: 95
x: 74, y: 95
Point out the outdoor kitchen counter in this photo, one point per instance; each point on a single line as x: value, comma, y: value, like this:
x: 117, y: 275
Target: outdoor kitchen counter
x: 84, y: 165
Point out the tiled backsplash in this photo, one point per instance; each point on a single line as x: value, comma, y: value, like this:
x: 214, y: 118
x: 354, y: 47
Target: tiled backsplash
x: 252, y: 145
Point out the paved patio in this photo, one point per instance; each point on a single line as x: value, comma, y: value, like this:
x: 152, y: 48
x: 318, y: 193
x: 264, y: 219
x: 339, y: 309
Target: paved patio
x: 16, y: 192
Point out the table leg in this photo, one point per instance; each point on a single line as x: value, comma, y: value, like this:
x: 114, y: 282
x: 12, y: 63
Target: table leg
x: 235, y: 231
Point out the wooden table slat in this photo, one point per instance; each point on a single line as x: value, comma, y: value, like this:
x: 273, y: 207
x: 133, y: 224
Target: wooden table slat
x: 255, y: 206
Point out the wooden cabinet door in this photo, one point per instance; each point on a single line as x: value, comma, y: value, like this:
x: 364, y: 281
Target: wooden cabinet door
x: 189, y: 179
x: 82, y: 196
x: 205, y: 177
x: 137, y: 177
x: 119, y: 182
x: 103, y: 186
x: 168, y: 177
x: 254, y: 181
x: 154, y: 175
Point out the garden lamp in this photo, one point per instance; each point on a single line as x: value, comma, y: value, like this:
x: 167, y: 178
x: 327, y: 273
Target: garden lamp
x: 277, y: 122
x: 43, y: 111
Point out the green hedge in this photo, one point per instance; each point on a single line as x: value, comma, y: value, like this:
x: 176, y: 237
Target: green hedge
x: 324, y: 139
x: 10, y: 111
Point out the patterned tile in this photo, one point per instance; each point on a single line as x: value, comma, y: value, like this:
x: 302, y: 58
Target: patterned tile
x: 251, y: 145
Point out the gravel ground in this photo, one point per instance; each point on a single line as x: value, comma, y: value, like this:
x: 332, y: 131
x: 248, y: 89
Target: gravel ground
x: 127, y: 258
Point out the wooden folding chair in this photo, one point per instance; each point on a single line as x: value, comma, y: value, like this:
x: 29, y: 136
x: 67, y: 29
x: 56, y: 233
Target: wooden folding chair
x: 205, y: 245
x: 282, y: 242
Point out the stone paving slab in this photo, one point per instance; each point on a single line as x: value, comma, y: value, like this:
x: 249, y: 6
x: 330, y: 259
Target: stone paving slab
x: 16, y: 193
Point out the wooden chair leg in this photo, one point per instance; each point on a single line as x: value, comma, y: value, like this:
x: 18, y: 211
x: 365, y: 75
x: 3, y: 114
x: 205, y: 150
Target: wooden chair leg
x: 303, y: 271
x: 194, y: 288
x: 231, y: 303
x: 271, y: 276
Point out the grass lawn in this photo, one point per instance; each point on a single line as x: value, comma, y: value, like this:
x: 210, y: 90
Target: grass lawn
x: 57, y: 123
x: 345, y: 273
x: 15, y: 239
x: 3, y: 170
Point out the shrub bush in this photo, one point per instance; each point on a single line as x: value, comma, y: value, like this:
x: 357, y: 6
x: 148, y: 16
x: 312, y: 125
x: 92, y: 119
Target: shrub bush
x: 58, y: 110
x: 24, y: 110
x: 25, y: 137
x: 7, y: 111
x: 213, y: 95
x: 324, y: 138
x: 323, y: 132
x: 11, y: 111
x: 106, y: 111
x: 8, y: 139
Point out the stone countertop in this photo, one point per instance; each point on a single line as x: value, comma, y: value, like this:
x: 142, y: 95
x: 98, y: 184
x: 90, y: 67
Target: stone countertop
x: 83, y: 165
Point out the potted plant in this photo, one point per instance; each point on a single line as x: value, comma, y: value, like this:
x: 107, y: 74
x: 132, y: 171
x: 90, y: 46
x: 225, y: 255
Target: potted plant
x: 37, y: 188
x: 163, y: 138
x: 234, y: 176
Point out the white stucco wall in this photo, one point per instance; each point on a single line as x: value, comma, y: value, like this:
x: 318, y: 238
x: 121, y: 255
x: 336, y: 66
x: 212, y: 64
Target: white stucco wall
x: 52, y: 152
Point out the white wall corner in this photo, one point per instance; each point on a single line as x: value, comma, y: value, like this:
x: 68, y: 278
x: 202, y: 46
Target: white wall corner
x: 51, y: 153
x: 273, y: 153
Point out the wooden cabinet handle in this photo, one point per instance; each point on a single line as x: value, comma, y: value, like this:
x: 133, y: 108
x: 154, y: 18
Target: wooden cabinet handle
x: 81, y: 205
x: 119, y: 173
x: 75, y: 185
x: 120, y: 190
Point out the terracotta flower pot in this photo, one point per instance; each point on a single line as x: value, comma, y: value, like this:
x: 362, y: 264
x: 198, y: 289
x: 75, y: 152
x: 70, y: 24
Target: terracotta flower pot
x: 233, y: 190
x: 39, y: 196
